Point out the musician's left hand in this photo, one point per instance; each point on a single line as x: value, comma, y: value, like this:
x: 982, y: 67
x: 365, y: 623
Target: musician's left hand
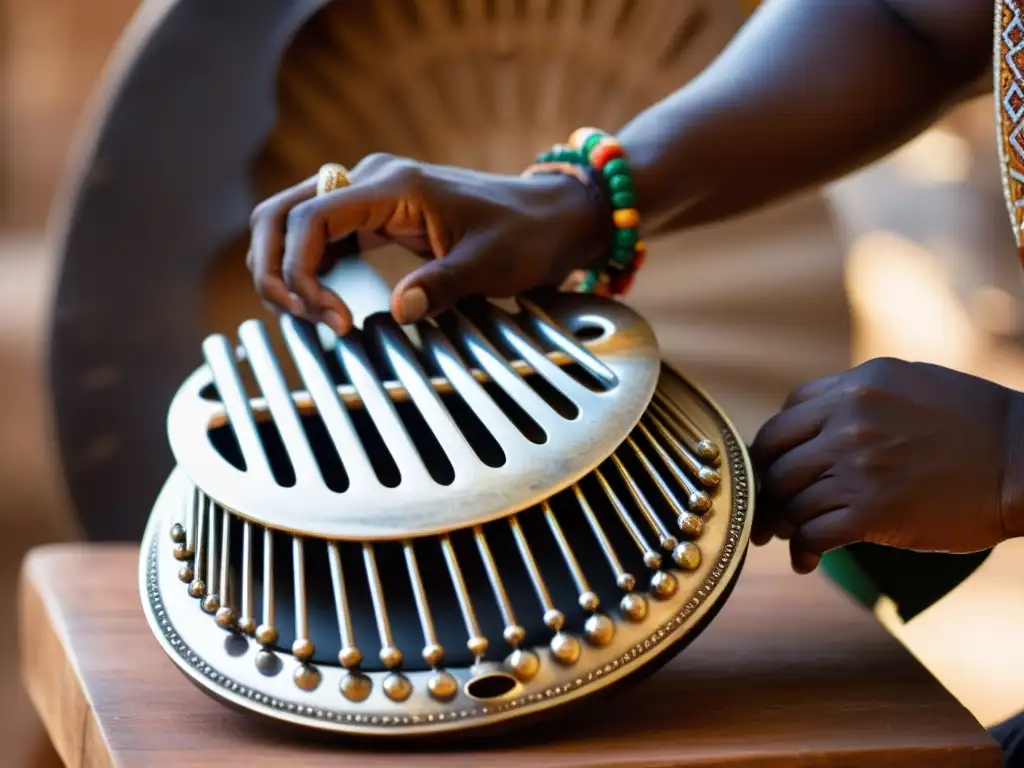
x: 908, y: 455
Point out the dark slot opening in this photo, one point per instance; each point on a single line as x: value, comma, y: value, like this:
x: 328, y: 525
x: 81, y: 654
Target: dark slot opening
x: 376, y: 449
x: 277, y: 455
x: 525, y: 423
x: 210, y: 392
x: 547, y: 338
x: 327, y: 459
x: 480, y: 439
x: 562, y: 405
x: 225, y: 442
x: 531, y: 430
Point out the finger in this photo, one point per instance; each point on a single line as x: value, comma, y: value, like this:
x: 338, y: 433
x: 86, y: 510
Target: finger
x: 812, y: 390
x: 820, y: 498
x: 788, y: 429
x: 822, y: 534
x: 266, y: 249
x: 786, y: 516
x: 312, y: 226
x: 795, y: 470
x: 467, y: 270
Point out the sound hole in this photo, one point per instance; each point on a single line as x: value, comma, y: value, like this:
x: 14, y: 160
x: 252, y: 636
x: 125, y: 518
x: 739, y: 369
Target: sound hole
x: 588, y: 333
x: 490, y: 686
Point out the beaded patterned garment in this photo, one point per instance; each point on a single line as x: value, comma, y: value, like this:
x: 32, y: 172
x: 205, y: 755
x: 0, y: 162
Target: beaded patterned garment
x: 1009, y: 77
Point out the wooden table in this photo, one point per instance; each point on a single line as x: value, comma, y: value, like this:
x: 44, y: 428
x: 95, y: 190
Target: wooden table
x: 790, y: 673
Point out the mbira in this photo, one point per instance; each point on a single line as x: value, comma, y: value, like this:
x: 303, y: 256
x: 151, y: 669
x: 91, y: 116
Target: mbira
x: 408, y: 532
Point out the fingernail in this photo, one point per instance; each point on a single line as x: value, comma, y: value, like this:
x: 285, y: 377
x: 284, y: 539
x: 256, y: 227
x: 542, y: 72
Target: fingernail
x: 333, y: 321
x: 297, y: 306
x: 414, y: 305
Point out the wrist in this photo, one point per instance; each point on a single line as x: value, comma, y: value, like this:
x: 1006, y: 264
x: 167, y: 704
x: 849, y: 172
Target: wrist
x: 580, y: 216
x: 1012, y: 496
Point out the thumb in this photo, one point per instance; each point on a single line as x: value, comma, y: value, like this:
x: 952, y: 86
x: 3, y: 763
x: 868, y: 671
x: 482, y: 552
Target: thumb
x: 467, y: 270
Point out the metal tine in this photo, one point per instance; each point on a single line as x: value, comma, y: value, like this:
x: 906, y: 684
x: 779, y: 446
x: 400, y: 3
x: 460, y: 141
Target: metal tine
x: 225, y: 613
x: 192, y: 522
x: 598, y: 628
x: 665, y: 538
x: 564, y: 648
x: 655, y: 475
x: 390, y: 656
x: 704, y: 446
x: 304, y: 347
x: 247, y: 621
x: 554, y: 333
x: 468, y: 387
x: 707, y: 476
x: 382, y: 410
x: 505, y: 376
x: 433, y: 651
x: 652, y: 559
x: 302, y: 648
x: 588, y: 599
x: 212, y: 600
x: 198, y: 586
x: 409, y: 371
x: 221, y: 359
x: 554, y: 619
x: 349, y: 656
x: 632, y: 605
x: 698, y: 500
x: 535, y: 357
x: 623, y: 579
x: 513, y: 633
x: 266, y: 632
x: 476, y: 642
x: 279, y: 400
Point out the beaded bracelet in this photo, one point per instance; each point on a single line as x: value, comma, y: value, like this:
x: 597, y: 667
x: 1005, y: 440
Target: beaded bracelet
x: 601, y: 152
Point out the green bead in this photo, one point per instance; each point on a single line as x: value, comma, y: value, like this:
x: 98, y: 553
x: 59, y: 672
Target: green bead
x: 626, y: 238
x: 590, y: 143
x: 623, y: 256
x: 588, y: 283
x: 544, y: 157
x: 616, y: 167
x: 568, y: 156
x: 620, y: 183
x: 622, y: 200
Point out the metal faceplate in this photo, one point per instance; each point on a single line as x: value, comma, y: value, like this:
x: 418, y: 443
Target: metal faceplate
x: 468, y: 629
x: 386, y: 439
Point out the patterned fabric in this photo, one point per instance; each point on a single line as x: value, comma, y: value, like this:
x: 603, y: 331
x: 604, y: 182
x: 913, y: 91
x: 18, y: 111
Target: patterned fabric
x: 1009, y: 89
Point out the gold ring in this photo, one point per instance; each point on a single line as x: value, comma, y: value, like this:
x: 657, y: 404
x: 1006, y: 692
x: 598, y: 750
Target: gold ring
x: 332, y: 176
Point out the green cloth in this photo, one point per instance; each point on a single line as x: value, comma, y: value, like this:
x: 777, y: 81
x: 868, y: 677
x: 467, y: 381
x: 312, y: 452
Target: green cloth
x: 914, y: 581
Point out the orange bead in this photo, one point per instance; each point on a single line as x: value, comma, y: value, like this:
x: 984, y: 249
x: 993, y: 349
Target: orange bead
x: 626, y: 218
x: 580, y: 135
x: 606, y: 151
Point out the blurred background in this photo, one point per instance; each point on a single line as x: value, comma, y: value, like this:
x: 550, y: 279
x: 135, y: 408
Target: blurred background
x: 912, y: 258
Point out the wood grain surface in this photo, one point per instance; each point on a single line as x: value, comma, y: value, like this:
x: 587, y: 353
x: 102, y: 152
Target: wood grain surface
x: 790, y: 673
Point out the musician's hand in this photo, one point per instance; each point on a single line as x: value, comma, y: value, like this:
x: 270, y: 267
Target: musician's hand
x: 903, y: 454
x: 484, y: 234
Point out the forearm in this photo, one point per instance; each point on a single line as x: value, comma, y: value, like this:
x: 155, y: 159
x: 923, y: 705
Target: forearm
x: 800, y: 97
